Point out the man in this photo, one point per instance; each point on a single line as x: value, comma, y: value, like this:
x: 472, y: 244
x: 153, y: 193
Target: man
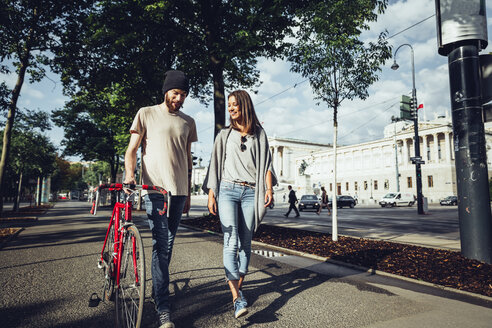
x: 292, y: 202
x: 166, y: 134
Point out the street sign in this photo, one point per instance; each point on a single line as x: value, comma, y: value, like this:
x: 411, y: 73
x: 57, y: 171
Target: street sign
x: 417, y: 160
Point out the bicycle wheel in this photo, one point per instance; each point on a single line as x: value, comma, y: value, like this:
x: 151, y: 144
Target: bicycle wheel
x: 130, y: 294
x: 109, y: 275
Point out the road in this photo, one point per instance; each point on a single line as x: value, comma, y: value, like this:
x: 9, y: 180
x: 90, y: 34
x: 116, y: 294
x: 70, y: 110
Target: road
x: 49, y: 272
x: 439, y: 227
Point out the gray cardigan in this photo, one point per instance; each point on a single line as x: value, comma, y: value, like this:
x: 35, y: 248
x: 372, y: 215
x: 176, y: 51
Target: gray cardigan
x: 263, y: 165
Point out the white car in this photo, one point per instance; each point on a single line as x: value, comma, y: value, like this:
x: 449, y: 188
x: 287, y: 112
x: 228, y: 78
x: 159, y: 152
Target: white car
x: 397, y: 199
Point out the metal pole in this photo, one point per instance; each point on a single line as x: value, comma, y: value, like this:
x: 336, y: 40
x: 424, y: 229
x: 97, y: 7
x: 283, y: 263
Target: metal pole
x: 470, y: 154
x: 418, y: 170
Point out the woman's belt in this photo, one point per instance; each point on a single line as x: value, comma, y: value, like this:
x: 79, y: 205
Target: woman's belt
x: 242, y: 183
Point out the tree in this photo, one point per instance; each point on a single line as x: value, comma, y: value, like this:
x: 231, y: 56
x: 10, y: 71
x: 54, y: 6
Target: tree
x: 28, y: 31
x: 338, y: 64
x: 97, y: 172
x: 60, y: 179
x: 133, y: 43
x: 33, y: 154
x: 93, y: 128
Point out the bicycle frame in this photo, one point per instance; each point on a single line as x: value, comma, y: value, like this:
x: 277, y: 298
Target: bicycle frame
x: 118, y: 236
x: 117, y: 221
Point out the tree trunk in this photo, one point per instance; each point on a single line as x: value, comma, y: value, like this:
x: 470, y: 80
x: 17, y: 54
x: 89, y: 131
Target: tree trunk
x: 17, y: 199
x: 7, y: 134
x: 219, y: 97
x: 40, y: 191
x: 334, y: 213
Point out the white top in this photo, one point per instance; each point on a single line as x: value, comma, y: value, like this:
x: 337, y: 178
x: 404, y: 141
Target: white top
x: 165, y: 140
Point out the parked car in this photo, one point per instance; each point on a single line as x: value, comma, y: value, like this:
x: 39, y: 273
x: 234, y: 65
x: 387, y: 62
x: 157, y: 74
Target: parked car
x: 450, y: 200
x: 309, y: 202
x: 343, y: 201
x: 397, y: 199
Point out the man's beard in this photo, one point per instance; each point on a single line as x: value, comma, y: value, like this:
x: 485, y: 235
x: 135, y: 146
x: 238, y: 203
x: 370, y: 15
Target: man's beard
x: 170, y: 106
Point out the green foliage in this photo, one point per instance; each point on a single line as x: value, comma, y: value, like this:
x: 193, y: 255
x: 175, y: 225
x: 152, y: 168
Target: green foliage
x: 96, y: 173
x: 60, y: 178
x: 29, y: 28
x: 95, y: 127
x: 329, y: 52
x: 132, y: 44
x: 32, y: 153
x: 4, y: 96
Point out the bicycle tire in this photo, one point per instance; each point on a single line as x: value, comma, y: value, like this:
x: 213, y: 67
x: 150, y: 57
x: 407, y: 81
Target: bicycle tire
x: 109, y: 275
x: 130, y: 294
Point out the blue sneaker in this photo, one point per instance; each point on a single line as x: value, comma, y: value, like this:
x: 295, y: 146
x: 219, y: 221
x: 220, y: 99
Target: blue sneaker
x: 239, y: 308
x: 242, y: 297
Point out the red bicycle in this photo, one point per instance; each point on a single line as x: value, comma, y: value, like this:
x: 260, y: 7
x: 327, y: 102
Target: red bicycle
x: 123, y: 258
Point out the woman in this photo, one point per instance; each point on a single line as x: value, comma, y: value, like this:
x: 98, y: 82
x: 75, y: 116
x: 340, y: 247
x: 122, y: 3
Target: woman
x: 324, y: 201
x: 239, y: 184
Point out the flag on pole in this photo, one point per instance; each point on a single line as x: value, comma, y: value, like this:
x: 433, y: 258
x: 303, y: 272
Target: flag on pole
x: 420, y: 106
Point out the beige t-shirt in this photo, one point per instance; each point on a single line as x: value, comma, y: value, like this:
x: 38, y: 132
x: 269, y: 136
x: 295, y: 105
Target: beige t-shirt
x: 165, y: 140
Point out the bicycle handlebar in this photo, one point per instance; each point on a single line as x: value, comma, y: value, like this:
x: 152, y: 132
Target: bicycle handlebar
x: 121, y: 186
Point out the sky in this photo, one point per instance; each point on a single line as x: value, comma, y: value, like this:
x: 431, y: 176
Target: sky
x: 285, y: 102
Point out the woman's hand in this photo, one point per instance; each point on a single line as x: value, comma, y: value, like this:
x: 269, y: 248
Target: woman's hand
x: 268, y: 197
x: 269, y: 189
x: 212, y: 204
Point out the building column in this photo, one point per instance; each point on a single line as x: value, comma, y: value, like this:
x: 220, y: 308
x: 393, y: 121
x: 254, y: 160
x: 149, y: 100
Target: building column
x: 436, y: 147
x: 404, y: 160
x: 275, y: 159
x: 288, y: 166
x: 281, y: 161
x: 447, y: 147
x: 424, y: 146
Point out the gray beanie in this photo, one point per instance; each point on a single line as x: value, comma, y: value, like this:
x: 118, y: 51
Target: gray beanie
x: 175, y: 80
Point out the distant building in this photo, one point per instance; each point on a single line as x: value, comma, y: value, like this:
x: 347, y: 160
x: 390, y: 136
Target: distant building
x: 285, y: 152
x: 368, y: 170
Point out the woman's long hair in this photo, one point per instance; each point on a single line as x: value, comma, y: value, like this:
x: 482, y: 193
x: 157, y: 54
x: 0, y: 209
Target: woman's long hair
x: 248, y: 119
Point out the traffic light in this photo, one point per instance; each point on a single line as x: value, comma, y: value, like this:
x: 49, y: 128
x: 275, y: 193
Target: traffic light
x: 406, y: 108
x: 194, y: 159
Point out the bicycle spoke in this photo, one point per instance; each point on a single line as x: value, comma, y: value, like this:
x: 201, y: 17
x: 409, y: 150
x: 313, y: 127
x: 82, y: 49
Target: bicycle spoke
x: 131, y: 291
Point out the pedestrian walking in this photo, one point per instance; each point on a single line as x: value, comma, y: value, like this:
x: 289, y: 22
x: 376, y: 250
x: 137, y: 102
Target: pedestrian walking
x: 239, y: 185
x: 166, y: 134
x: 324, y: 202
x: 292, y: 202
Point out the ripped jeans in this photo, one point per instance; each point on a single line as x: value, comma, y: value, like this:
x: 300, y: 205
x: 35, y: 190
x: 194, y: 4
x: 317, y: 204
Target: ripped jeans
x: 237, y: 212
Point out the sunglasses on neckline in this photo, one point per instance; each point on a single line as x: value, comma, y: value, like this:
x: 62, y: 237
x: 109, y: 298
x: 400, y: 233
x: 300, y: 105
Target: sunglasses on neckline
x: 243, y: 140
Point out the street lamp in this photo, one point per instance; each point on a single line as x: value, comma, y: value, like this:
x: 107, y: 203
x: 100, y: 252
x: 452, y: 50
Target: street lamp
x: 417, y: 160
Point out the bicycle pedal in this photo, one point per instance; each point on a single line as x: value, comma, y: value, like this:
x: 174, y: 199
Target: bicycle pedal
x: 94, y: 300
x: 101, y: 264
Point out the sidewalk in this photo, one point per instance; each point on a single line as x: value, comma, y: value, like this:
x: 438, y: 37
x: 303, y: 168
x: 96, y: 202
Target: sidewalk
x: 49, y: 272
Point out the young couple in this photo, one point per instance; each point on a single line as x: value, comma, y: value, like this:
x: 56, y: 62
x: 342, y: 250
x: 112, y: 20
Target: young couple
x: 239, y: 182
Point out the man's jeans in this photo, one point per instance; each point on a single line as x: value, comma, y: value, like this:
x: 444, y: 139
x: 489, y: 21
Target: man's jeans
x: 237, y: 212
x: 164, y: 228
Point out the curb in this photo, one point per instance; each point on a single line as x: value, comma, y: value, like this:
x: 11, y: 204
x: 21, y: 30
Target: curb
x: 353, y: 266
x: 21, y: 219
